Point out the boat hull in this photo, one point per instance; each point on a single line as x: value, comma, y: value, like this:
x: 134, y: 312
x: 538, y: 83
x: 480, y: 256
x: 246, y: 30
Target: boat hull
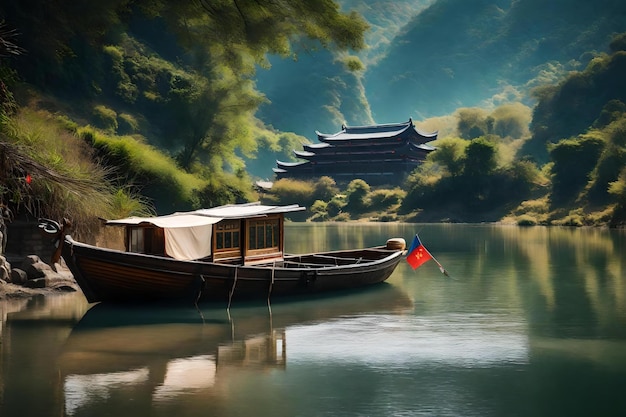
x: 106, y: 275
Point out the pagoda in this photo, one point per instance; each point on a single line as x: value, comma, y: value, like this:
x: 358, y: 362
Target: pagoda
x: 378, y: 154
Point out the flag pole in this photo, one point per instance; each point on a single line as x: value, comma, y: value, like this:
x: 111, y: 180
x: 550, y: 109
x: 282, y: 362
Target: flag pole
x: 441, y: 268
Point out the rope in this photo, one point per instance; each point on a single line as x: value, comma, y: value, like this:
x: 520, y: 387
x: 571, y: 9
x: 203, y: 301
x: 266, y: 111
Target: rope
x: 200, y: 294
x: 232, y: 290
x: 271, y: 285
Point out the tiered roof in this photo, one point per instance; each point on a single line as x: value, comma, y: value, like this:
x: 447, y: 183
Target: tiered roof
x: 376, y: 153
x: 377, y: 133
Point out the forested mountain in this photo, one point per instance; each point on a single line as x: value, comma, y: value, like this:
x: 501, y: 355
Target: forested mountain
x: 461, y: 54
x: 439, y: 56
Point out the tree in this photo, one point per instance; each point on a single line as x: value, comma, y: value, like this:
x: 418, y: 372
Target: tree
x: 208, y: 95
x: 325, y: 188
x: 574, y: 159
x: 473, y: 123
x: 450, y: 155
x: 356, y: 195
x: 480, y: 158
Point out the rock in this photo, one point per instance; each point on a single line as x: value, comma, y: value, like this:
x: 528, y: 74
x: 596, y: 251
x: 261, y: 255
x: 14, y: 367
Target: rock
x: 33, y: 278
x: 55, y: 282
x: 62, y: 269
x: 35, y: 267
x: 35, y: 283
x: 18, y: 276
x: 5, y: 274
x: 5, y: 269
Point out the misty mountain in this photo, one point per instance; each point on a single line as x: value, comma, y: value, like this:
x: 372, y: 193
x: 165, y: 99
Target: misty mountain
x: 428, y: 58
x: 316, y: 91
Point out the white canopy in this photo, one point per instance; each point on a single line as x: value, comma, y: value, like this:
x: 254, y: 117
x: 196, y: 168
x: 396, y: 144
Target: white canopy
x: 172, y: 221
x: 237, y: 211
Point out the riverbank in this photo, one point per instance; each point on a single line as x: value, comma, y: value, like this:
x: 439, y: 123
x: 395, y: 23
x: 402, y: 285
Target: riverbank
x: 34, y: 277
x: 12, y: 291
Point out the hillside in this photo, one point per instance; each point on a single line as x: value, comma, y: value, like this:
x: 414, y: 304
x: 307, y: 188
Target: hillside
x: 429, y: 58
x: 462, y: 54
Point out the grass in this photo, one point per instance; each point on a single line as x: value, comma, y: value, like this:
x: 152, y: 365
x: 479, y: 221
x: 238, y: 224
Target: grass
x: 65, y: 180
x: 144, y: 160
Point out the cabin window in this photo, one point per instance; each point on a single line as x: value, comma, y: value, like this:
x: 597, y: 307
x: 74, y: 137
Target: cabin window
x: 135, y: 241
x: 227, y: 235
x: 263, y: 234
x: 149, y: 240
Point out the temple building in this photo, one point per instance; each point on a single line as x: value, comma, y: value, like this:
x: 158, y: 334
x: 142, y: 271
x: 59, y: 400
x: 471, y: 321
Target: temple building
x: 378, y: 154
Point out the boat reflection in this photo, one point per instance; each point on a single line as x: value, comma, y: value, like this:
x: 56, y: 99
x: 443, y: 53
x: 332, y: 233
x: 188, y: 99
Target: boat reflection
x: 159, y: 355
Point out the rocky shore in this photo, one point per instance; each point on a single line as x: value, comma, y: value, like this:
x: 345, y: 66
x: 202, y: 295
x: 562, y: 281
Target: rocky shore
x: 33, y: 277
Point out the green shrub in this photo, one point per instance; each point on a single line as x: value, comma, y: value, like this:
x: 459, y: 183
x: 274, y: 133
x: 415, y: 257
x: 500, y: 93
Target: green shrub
x: 384, y: 199
x: 319, y: 210
x: 289, y: 191
x: 356, y: 195
x: 335, y: 206
x: 125, y: 203
x: 342, y: 217
x: 325, y: 188
x: 105, y: 118
x: 127, y: 124
x: 526, y: 220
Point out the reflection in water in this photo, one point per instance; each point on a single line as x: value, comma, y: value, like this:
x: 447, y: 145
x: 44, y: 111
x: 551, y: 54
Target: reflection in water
x: 162, y: 354
x: 185, y: 375
x: 81, y: 389
x: 476, y: 340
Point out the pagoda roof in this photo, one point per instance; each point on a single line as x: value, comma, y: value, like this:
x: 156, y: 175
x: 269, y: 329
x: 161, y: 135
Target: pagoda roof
x: 426, y: 147
x: 284, y: 165
x: 369, y: 132
x: 304, y: 154
x: 319, y: 145
x: 404, y: 148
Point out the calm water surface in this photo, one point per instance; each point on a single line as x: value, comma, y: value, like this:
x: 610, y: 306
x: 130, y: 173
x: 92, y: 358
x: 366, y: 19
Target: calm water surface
x: 531, y: 322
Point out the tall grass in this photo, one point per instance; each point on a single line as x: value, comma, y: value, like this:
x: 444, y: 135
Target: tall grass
x: 143, y: 164
x: 64, y: 179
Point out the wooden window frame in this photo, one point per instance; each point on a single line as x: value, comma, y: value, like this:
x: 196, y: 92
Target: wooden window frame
x: 222, y: 229
x: 255, y: 253
x: 145, y: 239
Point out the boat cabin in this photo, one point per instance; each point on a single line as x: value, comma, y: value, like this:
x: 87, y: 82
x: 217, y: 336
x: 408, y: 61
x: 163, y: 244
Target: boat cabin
x: 241, y: 234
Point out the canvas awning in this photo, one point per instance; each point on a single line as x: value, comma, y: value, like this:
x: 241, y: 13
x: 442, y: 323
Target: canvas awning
x: 172, y: 221
x: 187, y: 236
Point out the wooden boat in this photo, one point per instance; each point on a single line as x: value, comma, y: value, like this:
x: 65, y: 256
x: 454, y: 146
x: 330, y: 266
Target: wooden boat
x: 222, y: 253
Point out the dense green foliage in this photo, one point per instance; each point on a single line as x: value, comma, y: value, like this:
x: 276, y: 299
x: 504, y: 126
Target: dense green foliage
x: 578, y: 135
x: 46, y: 170
x: 175, y: 77
x: 326, y: 202
x: 593, y: 96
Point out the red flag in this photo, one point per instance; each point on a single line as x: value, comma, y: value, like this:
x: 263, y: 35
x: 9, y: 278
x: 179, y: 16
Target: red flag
x: 417, y: 254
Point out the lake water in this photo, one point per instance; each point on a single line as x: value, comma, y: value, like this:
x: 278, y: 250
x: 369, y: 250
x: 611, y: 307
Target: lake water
x: 531, y: 322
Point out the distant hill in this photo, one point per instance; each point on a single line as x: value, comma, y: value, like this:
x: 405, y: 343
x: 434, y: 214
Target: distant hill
x: 428, y: 58
x: 316, y: 92
x: 458, y: 53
